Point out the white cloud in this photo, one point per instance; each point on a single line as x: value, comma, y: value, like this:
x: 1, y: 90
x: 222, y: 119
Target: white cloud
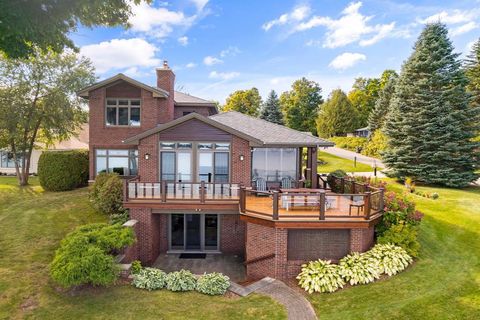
x: 298, y: 14
x: 346, y: 60
x: 453, y: 17
x: 223, y: 75
x: 160, y: 22
x: 351, y: 27
x: 464, y: 28
x: 230, y: 51
x: 190, y: 65
x: 183, y: 40
x: 200, y: 4
x: 210, y: 60
x: 120, y: 54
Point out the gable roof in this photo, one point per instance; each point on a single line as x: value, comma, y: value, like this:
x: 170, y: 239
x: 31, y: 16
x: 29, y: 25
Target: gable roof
x: 136, y: 138
x: 270, y: 134
x: 184, y: 99
x: 157, y: 92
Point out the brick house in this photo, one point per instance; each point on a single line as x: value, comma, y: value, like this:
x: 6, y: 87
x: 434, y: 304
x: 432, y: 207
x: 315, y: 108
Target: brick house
x: 221, y: 183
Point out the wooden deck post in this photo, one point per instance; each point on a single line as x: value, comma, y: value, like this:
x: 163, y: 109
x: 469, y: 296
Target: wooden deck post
x: 342, y: 184
x: 314, y: 161
x: 322, y: 204
x: 163, y: 191
x: 382, y: 200
x: 275, y: 205
x: 367, y: 204
x: 202, y: 192
x: 243, y: 198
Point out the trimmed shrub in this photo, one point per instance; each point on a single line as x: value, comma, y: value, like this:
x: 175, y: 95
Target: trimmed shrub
x: 376, y: 145
x: 149, y: 279
x: 136, y: 267
x: 106, y: 194
x: 182, y: 280
x: 213, y: 284
x: 391, y: 258
x: 332, y: 181
x: 63, y: 170
x: 86, y: 255
x: 358, y: 268
x: 402, y: 235
x: 320, y: 276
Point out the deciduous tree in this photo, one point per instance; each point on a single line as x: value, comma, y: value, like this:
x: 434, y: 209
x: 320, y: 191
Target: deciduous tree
x: 244, y: 101
x: 38, y: 102
x: 301, y: 104
x: 337, y: 116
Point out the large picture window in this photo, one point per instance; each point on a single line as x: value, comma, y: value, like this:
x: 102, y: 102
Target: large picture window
x: 122, y: 112
x: 123, y: 162
x: 274, y: 164
x: 6, y: 159
x: 182, y: 161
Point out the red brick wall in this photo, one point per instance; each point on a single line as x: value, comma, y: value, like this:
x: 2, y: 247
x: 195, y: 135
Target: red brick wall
x: 241, y: 170
x: 166, y: 81
x: 361, y: 239
x: 147, y: 232
x: 232, y: 234
x: 148, y: 170
x: 103, y: 137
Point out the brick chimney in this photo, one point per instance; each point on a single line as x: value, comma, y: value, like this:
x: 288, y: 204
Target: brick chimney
x: 166, y: 78
x: 166, y: 81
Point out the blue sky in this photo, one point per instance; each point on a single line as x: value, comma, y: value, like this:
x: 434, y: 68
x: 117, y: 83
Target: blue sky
x: 216, y: 47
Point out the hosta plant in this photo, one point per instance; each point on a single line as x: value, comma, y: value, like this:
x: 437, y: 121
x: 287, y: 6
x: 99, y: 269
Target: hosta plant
x: 391, y: 258
x: 213, y: 283
x: 182, y: 280
x: 149, y: 279
x: 320, y: 276
x: 358, y: 268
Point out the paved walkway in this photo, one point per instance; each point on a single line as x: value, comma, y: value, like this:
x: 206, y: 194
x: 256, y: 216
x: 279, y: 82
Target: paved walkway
x: 351, y: 155
x: 298, y: 307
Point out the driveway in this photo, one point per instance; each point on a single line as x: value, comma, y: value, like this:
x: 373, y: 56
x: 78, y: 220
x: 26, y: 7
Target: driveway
x: 351, y: 156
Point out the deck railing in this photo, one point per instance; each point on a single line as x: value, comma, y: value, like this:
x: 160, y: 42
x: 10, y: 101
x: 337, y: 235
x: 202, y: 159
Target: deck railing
x: 188, y: 191
x: 323, y: 205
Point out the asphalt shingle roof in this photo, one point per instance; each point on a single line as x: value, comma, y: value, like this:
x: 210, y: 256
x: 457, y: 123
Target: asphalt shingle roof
x: 267, y: 132
x: 184, y: 98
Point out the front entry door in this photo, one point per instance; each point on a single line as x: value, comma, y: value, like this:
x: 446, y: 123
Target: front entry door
x: 193, y: 232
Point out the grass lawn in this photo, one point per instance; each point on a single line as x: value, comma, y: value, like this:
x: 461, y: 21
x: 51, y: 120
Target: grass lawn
x: 333, y: 163
x: 443, y: 284
x: 32, y: 223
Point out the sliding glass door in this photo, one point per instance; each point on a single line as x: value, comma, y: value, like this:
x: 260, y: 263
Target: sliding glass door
x: 194, y: 232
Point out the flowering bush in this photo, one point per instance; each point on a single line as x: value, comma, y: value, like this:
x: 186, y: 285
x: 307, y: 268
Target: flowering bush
x: 398, y: 210
x: 391, y: 258
x: 357, y: 268
x: 320, y: 276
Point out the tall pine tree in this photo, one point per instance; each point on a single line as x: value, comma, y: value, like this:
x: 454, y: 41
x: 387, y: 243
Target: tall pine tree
x: 337, y: 116
x: 430, y: 125
x: 271, y: 109
x: 472, y: 70
x: 377, y: 116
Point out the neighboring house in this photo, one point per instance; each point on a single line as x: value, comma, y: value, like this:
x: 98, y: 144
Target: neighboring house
x: 362, y: 132
x: 198, y: 181
x: 79, y: 141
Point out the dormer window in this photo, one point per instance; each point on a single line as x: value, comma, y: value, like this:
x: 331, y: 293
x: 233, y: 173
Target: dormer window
x: 122, y: 112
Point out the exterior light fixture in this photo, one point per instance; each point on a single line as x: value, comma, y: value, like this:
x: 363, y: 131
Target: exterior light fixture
x: 242, y: 157
x: 147, y: 156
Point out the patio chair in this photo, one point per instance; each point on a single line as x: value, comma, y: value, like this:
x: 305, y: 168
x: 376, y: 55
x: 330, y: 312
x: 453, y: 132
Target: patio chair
x: 261, y: 185
x: 357, y: 202
x: 286, y: 183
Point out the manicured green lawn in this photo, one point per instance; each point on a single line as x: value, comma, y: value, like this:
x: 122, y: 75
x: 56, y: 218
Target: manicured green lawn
x: 334, y: 163
x: 445, y: 281
x: 32, y: 223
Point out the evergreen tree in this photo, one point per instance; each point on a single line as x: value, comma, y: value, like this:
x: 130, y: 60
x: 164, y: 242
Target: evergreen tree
x: 337, y: 116
x: 301, y: 104
x: 430, y: 125
x: 472, y: 70
x: 376, y: 117
x: 271, y: 109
